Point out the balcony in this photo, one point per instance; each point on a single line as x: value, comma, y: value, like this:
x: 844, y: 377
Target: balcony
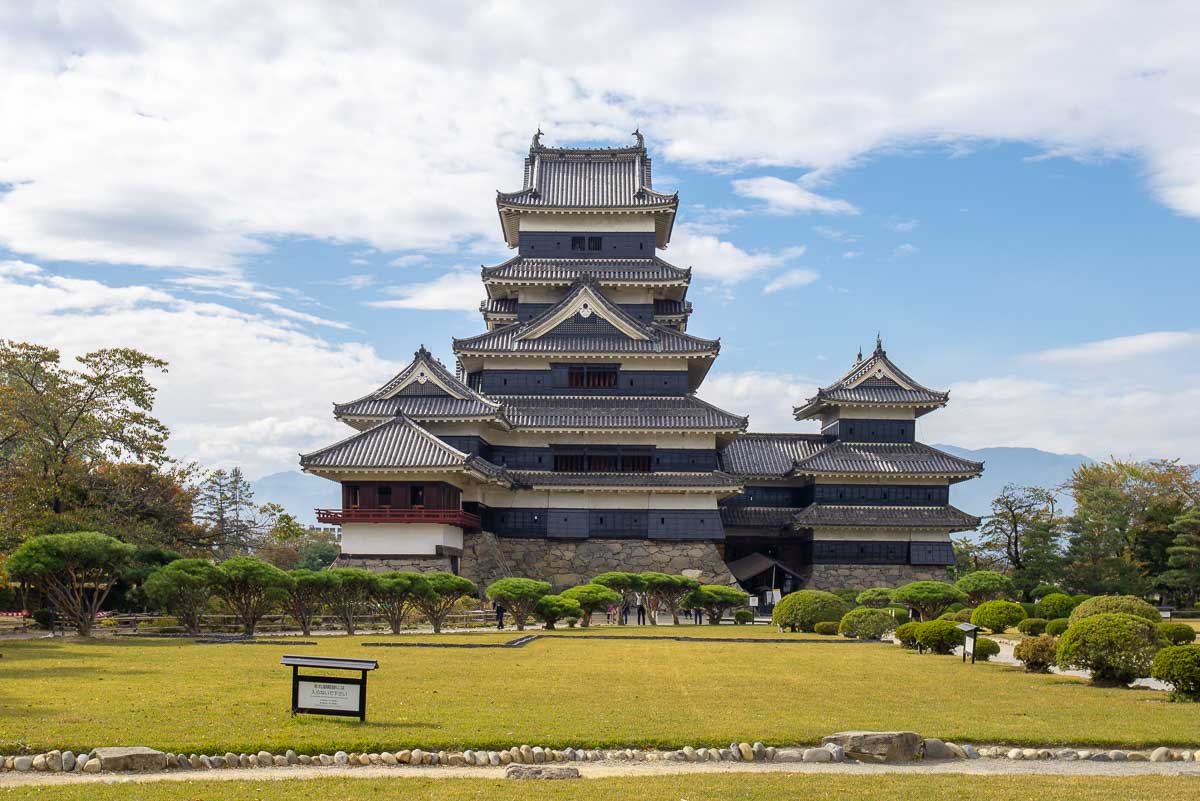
x: 450, y: 517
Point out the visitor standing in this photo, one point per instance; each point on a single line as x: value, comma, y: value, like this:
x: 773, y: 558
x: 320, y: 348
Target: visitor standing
x: 499, y: 617
x: 641, y: 610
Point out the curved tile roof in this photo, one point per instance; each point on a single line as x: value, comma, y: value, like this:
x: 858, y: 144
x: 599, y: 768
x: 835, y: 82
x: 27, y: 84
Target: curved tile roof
x: 606, y: 271
x: 886, y: 458
x: 684, y: 412
x: 870, y: 382
x: 757, y: 516
x: 423, y: 398
x: 753, y: 454
x: 396, y: 443
x: 947, y: 517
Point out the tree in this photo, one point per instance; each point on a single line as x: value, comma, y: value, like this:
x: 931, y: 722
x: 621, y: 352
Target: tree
x: 225, y: 506
x: 351, y: 595
x: 436, y: 593
x: 393, y: 595
x: 664, y: 590
x: 184, y: 588
x: 929, y: 598
x: 74, y: 571
x: 985, y: 585
x: 58, y: 424
x: 552, y: 608
x: 715, y: 600
x: 518, y: 595
x: 308, y: 591
x: 875, y: 597
x: 252, y: 588
x: 628, y: 584
x: 1183, y: 558
x: 591, y: 599
x: 998, y: 616
x: 1024, y: 532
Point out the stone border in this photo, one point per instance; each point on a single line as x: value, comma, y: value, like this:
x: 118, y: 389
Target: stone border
x: 146, y: 760
x: 524, y: 640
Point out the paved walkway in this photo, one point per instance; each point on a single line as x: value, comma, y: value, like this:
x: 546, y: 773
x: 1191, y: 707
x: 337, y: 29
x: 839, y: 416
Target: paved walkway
x: 596, y: 770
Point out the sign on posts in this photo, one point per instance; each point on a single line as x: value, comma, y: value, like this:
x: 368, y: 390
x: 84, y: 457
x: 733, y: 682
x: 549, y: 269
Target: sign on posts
x: 329, y: 695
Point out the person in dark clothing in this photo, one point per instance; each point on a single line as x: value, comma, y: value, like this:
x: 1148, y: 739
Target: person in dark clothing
x: 624, y: 614
x: 641, y: 610
x: 499, y: 616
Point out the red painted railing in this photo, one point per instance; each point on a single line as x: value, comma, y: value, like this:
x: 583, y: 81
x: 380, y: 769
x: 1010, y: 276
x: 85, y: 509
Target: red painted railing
x: 451, y: 517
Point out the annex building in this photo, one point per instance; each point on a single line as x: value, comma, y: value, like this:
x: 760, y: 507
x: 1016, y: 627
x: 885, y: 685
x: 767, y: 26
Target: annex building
x: 568, y: 440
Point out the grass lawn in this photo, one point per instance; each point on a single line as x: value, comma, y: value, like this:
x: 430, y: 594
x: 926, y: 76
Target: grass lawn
x: 704, y: 787
x: 574, y: 691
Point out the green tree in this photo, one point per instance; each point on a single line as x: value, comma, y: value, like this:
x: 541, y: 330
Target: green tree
x: 436, y: 593
x: 1023, y: 535
x: 985, y: 585
x: 183, y: 588
x: 393, y: 596
x: 875, y: 597
x: 592, y: 598
x: 308, y: 591
x: 997, y: 616
x: 252, y: 588
x: 666, y: 591
x: 74, y: 571
x: 1182, y: 579
x: 929, y: 598
x: 715, y: 600
x: 225, y: 507
x: 628, y: 584
x: 552, y: 608
x: 352, y: 595
x: 519, y: 596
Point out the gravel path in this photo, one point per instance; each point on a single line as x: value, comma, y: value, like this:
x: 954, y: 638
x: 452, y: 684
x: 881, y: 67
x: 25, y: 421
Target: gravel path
x: 595, y: 770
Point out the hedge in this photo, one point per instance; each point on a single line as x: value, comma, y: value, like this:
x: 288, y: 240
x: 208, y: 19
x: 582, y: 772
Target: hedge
x: 1179, y: 666
x: 801, y: 611
x: 1121, y: 604
x: 1117, y: 648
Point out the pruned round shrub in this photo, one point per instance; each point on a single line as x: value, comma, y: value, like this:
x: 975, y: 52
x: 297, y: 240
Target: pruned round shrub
x: 552, y: 608
x: 866, y: 624
x: 1056, y: 627
x: 875, y: 597
x: 848, y: 595
x: 906, y: 634
x: 44, y: 618
x: 1177, y: 633
x: 939, y: 636
x: 801, y: 611
x: 929, y: 598
x: 1037, y: 654
x: 1078, y: 599
x: 1030, y: 608
x: 1053, y: 606
x: 1115, y: 647
x: 743, y: 616
x: 826, y: 627
x: 985, y: 649
x: 996, y: 616
x: 986, y: 585
x: 899, y: 613
x: 963, y: 615
x: 1179, y: 666
x: 1118, y: 604
x: 1044, y: 589
x: 1032, y: 626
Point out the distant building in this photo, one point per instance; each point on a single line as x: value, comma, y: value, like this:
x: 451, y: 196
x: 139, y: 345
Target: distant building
x: 569, y: 440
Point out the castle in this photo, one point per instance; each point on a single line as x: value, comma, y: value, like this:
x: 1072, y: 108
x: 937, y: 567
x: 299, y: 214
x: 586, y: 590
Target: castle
x: 569, y: 439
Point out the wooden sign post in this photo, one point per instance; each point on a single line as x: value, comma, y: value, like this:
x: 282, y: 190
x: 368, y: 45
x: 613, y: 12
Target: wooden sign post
x: 970, y: 633
x: 329, y: 695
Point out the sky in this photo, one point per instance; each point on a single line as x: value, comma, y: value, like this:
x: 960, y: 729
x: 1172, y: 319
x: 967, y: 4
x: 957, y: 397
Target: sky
x: 285, y: 201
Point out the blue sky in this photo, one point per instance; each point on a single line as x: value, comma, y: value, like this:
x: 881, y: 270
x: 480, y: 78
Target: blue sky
x: 289, y: 225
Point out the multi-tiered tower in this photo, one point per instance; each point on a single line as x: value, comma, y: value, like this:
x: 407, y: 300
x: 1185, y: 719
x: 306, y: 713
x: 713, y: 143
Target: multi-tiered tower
x: 570, y: 441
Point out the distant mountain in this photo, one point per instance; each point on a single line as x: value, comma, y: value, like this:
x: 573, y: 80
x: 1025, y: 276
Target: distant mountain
x: 297, y: 492
x: 300, y: 493
x: 1023, y: 466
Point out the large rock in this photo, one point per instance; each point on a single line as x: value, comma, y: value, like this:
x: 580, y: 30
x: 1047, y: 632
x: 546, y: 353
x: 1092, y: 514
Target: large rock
x: 540, y: 772
x: 936, y: 749
x: 135, y: 759
x: 878, y: 746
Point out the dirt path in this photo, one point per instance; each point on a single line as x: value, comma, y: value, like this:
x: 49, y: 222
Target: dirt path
x: 596, y: 770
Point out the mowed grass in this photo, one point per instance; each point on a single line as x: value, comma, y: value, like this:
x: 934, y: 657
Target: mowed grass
x: 571, y: 691
x: 695, y: 787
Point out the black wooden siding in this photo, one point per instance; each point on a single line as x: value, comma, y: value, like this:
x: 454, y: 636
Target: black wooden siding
x: 849, y: 430
x: 667, y: 524
x: 881, y: 495
x: 557, y: 245
x: 555, y: 382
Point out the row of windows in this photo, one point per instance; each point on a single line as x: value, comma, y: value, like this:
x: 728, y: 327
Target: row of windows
x: 580, y: 379
x: 872, y: 430
x: 555, y: 244
x: 591, y: 458
x: 770, y: 496
x: 602, y: 463
x: 881, y: 495
x: 882, y: 553
x: 603, y: 523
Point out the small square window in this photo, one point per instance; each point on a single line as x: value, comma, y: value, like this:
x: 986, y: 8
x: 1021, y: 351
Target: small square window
x: 594, y: 243
x: 579, y: 243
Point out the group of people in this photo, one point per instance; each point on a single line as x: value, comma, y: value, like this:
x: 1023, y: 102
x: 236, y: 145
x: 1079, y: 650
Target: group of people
x: 615, y: 613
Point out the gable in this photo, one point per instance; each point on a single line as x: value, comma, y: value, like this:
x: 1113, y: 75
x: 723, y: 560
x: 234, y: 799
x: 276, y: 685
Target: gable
x: 585, y: 312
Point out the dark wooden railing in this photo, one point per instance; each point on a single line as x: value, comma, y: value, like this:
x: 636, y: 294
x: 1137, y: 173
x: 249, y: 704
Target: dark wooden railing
x: 452, y: 517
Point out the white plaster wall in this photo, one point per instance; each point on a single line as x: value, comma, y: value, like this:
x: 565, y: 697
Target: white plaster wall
x: 868, y: 413
x: 591, y: 222
x: 399, y: 538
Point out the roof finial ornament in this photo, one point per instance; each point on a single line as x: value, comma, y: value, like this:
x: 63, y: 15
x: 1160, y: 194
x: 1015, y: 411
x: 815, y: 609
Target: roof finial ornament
x: 537, y: 139
x: 878, y: 343
x: 858, y: 358
x: 641, y: 140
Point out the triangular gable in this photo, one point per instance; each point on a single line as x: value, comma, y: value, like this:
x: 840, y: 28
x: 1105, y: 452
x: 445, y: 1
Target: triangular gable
x: 586, y: 303
x: 427, y: 376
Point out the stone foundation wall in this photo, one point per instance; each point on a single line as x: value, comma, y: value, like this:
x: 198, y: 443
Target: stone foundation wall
x: 487, y: 557
x: 388, y: 564
x: 833, y: 577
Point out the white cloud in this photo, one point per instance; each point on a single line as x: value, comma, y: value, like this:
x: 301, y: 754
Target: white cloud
x: 836, y: 234
x: 766, y: 397
x: 900, y: 226
x: 360, y: 281
x: 409, y: 260
x: 791, y: 279
x: 116, y: 148
x: 717, y: 259
x: 243, y: 388
x: 851, y: 254
x: 1119, y: 348
x: 304, y: 317
x: 785, y: 197
x: 906, y: 249
x: 18, y: 268
x: 454, y: 291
